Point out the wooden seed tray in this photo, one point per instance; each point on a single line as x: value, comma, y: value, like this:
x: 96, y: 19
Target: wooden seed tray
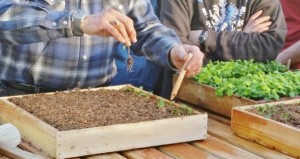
x: 82, y: 142
x: 204, y: 96
x: 268, y: 132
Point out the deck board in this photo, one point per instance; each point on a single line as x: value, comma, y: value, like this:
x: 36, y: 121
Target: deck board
x: 105, y: 156
x: 186, y: 151
x: 223, y: 149
x: 147, y: 153
x: 224, y: 133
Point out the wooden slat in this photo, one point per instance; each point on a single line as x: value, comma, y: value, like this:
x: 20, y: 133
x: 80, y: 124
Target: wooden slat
x: 105, y: 156
x: 186, y: 151
x: 224, y: 133
x: 204, y: 96
x: 148, y: 153
x: 4, y: 157
x: 223, y: 149
x: 16, y: 152
x: 129, y: 136
x: 27, y: 147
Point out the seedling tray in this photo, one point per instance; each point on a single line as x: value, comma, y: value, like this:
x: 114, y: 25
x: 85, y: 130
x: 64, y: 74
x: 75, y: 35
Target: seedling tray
x: 103, y: 139
x: 204, y: 96
x: 268, y: 132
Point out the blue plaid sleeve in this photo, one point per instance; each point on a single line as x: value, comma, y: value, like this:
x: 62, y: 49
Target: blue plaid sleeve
x: 154, y: 39
x: 27, y: 22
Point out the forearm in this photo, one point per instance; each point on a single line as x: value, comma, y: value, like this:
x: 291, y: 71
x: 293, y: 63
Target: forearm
x: 154, y: 40
x: 292, y: 53
x: 240, y: 45
x: 30, y: 22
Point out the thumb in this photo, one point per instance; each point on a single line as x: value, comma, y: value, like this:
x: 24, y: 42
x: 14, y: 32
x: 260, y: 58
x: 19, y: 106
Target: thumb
x: 182, y: 54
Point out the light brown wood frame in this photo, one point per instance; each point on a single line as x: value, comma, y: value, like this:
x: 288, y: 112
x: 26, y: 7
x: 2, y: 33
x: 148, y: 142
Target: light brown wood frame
x: 204, y: 96
x: 271, y: 133
x: 82, y: 142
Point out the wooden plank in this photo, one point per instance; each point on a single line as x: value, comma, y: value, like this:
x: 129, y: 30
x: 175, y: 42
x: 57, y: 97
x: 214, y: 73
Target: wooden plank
x: 4, y: 157
x: 147, y: 153
x: 27, y: 147
x: 276, y: 135
x: 224, y: 133
x: 204, y: 96
x: 31, y: 128
x: 186, y: 151
x: 105, y: 156
x: 223, y: 149
x: 130, y: 136
x: 16, y: 153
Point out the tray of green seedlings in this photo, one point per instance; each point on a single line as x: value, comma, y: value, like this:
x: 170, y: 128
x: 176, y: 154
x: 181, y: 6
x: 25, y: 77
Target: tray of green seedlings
x: 249, y: 81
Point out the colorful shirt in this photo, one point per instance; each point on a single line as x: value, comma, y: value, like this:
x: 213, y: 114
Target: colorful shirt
x: 224, y: 21
x: 37, y: 46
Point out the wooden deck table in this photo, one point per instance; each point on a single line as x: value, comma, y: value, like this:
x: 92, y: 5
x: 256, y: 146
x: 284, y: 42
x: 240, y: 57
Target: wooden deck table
x: 220, y: 144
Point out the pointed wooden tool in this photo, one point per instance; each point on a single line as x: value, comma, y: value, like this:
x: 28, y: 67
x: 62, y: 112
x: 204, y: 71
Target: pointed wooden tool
x: 180, y: 77
x: 10, y: 138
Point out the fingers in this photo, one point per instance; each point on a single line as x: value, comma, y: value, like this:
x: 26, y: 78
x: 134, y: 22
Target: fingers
x: 114, y: 31
x: 125, y: 27
x: 256, y: 24
x: 255, y: 15
x: 128, y: 27
x: 120, y: 29
x: 110, y: 23
x: 194, y: 65
x: 179, y: 55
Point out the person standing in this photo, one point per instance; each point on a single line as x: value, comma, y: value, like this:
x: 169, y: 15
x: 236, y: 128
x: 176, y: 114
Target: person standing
x: 291, y: 48
x: 53, y: 45
x: 227, y: 29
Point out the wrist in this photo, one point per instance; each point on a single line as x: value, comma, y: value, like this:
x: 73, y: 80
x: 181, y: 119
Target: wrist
x: 171, y: 62
x: 77, y: 19
x: 202, y: 40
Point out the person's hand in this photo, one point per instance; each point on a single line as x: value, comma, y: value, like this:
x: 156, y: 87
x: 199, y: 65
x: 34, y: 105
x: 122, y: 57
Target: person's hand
x: 257, y: 24
x: 179, y: 54
x: 110, y: 23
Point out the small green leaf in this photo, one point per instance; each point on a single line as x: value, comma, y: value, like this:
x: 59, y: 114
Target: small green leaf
x: 161, y: 103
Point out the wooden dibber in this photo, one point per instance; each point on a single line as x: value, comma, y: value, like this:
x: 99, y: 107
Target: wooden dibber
x: 10, y: 138
x: 180, y: 77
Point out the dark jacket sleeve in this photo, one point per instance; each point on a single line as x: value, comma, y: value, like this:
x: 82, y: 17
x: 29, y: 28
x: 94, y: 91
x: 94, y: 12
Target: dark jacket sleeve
x: 259, y: 46
x: 177, y: 14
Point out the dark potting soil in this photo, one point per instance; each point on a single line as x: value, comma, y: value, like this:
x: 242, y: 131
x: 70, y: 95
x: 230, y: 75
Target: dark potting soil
x: 287, y: 114
x: 84, y: 109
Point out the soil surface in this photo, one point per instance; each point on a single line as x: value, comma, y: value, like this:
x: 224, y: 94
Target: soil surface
x: 287, y: 114
x: 83, y: 109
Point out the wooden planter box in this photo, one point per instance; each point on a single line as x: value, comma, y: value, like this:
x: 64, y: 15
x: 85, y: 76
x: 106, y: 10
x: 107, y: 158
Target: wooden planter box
x: 81, y: 142
x: 268, y: 132
x: 204, y: 96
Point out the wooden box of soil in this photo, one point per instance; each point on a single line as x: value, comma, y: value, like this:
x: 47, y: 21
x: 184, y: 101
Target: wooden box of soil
x: 221, y: 86
x: 84, y: 122
x: 275, y: 125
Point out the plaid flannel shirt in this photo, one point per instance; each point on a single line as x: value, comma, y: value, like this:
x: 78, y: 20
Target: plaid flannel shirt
x: 38, y: 48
